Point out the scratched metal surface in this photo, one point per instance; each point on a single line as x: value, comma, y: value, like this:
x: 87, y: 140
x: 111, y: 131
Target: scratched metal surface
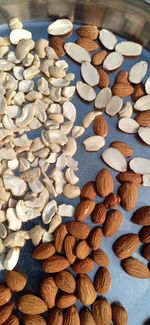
x: 134, y: 294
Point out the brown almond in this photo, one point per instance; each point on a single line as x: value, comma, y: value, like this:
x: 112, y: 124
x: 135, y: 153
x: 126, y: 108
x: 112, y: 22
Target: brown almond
x: 71, y: 316
x: 85, y: 289
x: 88, y: 31
x: 55, y: 317
x: 99, y: 213
x: 31, y: 305
x: 128, y: 193
x: 14, y: 320
x: 100, y: 126
x: 119, y: 314
x: 143, y: 118
x: 83, y: 266
x: 101, y: 311
x: 111, y: 200
x: 5, y: 312
x: 144, y: 234
x: 104, y: 182
x: 100, y: 257
x: 104, y: 78
x: 86, y: 317
x: 34, y: 320
x: 66, y: 300
x: 69, y: 247
x: 48, y: 291
x: 95, y: 238
x: 87, y: 44
x: 78, y: 229
x: 82, y: 250
x: 146, y: 252
x: 57, y: 43
x: 5, y: 294
x: 55, y: 263
x: 126, y: 245
x: 142, y: 216
x: 59, y: 236
x: 130, y: 177
x: 122, y: 76
x: 43, y: 251
x: 84, y: 209
x: 99, y: 57
x: 102, y: 281
x: 16, y: 281
x: 139, y: 91
x: 65, y: 281
x: 122, y: 89
x: 114, y: 220
x: 135, y: 268
x: 88, y: 191
x: 123, y: 147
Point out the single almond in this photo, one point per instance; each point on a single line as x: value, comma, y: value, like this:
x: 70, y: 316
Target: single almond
x: 111, y: 200
x: 99, y: 213
x: 5, y: 295
x: 114, y: 220
x: 14, y: 320
x: 31, y: 305
x: 69, y: 248
x: 146, y: 252
x: 99, y: 57
x: 135, y: 268
x: 88, y: 44
x: 71, y: 316
x: 16, y: 281
x: 139, y: 91
x: 126, y: 245
x: 48, y: 291
x: 65, y: 281
x: 59, y: 236
x: 78, y: 229
x: 55, y: 317
x: 100, y: 126
x: 66, y: 300
x: 95, y: 238
x: 84, y: 209
x: 43, y: 251
x: 119, y: 314
x: 86, y: 317
x: 123, y: 147
x: 100, y: 257
x: 104, y: 182
x: 55, y: 263
x: 142, y: 216
x: 122, y: 76
x: 144, y: 234
x: 143, y: 118
x: 102, y: 281
x: 122, y: 89
x: 5, y: 312
x: 101, y: 311
x: 129, y: 176
x: 82, y: 249
x: 34, y: 320
x: 85, y: 290
x: 88, y: 31
x: 83, y: 266
x: 128, y: 194
x: 104, y: 78
x: 88, y: 191
x: 57, y: 43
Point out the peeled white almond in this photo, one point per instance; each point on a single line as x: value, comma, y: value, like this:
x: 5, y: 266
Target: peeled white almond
x: 103, y: 98
x: 126, y: 111
x: 77, y: 53
x: 140, y: 165
x: 94, y: 143
x: 108, y: 39
x: 60, y: 27
x: 146, y: 180
x: 128, y: 125
x: 17, y: 35
x: 143, y: 103
x: 138, y: 72
x: 128, y: 48
x: 89, y: 74
x: 144, y: 134
x: 85, y: 91
x: 113, y: 61
x: 115, y: 159
x: 147, y: 86
x: 114, y: 105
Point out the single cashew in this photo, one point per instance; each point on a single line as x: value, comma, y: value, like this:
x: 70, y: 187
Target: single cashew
x: 28, y: 60
x: 24, y: 47
x: 43, y: 86
x: 71, y: 147
x: 55, y: 222
x: 71, y: 191
x: 15, y: 184
x: 18, y: 34
x: 40, y: 46
x: 26, y: 116
x: 71, y: 177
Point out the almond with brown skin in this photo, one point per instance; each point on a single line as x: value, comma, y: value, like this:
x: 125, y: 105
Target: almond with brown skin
x: 48, y: 291
x: 144, y: 234
x: 111, y: 200
x: 139, y: 91
x: 100, y: 257
x: 86, y: 317
x: 142, y: 216
x: 122, y: 76
x: 16, y: 281
x: 88, y: 31
x: 59, y: 236
x: 119, y: 314
x: 128, y: 193
x: 78, y: 229
x: 122, y: 89
x: 66, y: 300
x: 87, y: 44
x: 95, y: 238
x: 143, y: 118
x: 101, y: 311
x: 99, y: 57
x: 31, y: 305
x: 100, y: 126
x: 104, y: 78
x: 135, y: 268
x: 112, y: 223
x: 65, y: 281
x: 14, y: 320
x: 104, y: 182
x: 5, y: 294
x: 69, y: 248
x: 71, y: 316
x: 85, y: 290
x: 5, y: 312
x: 82, y: 250
x: 83, y: 266
x: 130, y: 177
x: 55, y: 317
x: 146, y: 252
x: 34, y: 320
x: 57, y: 43
x: 88, y: 191
x: 123, y: 147
x: 99, y: 213
x: 55, y: 263
x: 126, y: 245
x: 43, y: 251
x: 84, y: 209
x: 102, y: 281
